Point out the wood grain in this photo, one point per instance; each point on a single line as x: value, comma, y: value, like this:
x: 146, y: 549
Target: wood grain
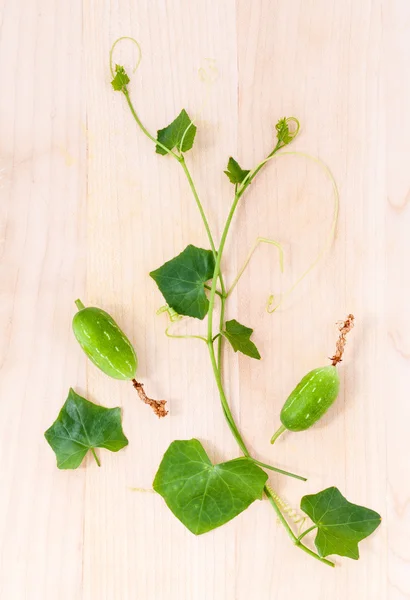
x: 88, y: 209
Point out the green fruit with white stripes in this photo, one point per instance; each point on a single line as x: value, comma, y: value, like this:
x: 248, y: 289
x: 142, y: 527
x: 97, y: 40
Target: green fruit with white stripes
x: 310, y: 399
x: 316, y: 392
x: 104, y: 343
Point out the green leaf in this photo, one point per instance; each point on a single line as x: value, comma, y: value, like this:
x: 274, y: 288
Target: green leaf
x: 179, y: 134
x: 341, y: 524
x: 234, y: 171
x: 181, y: 281
x: 204, y: 496
x: 82, y: 426
x: 239, y: 337
x: 120, y: 80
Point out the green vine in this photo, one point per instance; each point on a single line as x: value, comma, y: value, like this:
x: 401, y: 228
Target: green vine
x: 186, y: 296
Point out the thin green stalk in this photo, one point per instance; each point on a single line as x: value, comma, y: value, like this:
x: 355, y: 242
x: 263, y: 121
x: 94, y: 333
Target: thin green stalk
x: 329, y: 563
x: 277, y: 433
x: 185, y: 337
x: 218, y: 293
x: 141, y: 126
x: 279, y: 513
x: 224, y: 402
x: 259, y: 240
x: 79, y: 304
x: 218, y: 264
x: 252, y: 174
x: 277, y: 470
x: 220, y: 339
x: 238, y: 193
x: 302, y: 535
x: 181, y: 160
x: 96, y: 457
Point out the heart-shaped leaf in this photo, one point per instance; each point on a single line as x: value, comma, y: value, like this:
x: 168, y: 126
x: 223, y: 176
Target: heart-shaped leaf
x: 239, y: 337
x: 204, y: 496
x: 181, y: 281
x: 82, y: 426
x: 341, y: 524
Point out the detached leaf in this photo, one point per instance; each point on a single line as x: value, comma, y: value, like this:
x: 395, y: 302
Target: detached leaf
x: 82, y: 426
x: 239, y: 337
x: 234, y: 171
x: 179, y: 134
x: 181, y: 281
x: 120, y: 80
x: 341, y: 524
x: 204, y: 496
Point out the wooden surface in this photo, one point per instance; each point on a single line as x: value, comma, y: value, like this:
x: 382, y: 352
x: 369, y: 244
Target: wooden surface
x: 88, y: 209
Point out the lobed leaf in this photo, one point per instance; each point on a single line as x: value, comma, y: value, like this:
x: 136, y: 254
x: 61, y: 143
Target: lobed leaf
x: 82, y: 426
x: 234, y: 171
x: 181, y: 281
x: 341, y: 524
x: 239, y: 337
x: 179, y: 134
x: 204, y: 496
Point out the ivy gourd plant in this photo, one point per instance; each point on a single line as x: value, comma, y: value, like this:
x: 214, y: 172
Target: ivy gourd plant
x: 202, y: 495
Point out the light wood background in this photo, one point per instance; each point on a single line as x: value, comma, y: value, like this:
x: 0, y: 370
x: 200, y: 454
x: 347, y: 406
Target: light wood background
x: 88, y: 209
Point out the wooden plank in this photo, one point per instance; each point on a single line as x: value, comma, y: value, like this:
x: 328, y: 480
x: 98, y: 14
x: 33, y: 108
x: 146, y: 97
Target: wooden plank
x: 141, y: 213
x: 42, y: 113
x: 322, y: 63
x: 88, y: 209
x: 397, y: 323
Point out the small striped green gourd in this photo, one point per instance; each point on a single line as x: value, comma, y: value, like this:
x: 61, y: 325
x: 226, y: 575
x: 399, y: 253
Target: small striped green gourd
x: 104, y: 343
x: 107, y: 346
x: 315, y: 393
x: 310, y: 399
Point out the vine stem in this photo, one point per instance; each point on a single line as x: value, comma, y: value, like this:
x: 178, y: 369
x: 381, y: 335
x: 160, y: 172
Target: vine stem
x: 217, y: 362
x: 231, y: 422
x: 181, y: 159
x: 216, y: 370
x: 142, y: 127
x: 224, y: 401
x: 218, y: 266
